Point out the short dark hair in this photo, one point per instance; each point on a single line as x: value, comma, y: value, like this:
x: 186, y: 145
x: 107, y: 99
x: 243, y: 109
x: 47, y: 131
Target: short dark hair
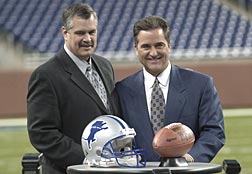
x: 149, y: 23
x: 82, y: 10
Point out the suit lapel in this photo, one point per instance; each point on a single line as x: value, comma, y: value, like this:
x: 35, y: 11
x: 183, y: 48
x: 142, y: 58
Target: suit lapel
x: 84, y: 84
x: 139, y: 97
x: 175, y: 99
x: 79, y: 78
x: 174, y: 105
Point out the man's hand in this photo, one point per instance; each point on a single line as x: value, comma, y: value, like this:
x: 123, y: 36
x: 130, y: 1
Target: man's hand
x: 188, y: 157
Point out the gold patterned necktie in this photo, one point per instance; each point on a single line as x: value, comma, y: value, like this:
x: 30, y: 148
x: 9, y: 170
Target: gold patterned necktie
x: 157, y: 107
x: 98, y: 85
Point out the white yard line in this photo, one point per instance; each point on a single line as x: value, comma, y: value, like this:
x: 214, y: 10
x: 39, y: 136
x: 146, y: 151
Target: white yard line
x: 13, y: 122
x: 5, y: 122
x: 235, y: 112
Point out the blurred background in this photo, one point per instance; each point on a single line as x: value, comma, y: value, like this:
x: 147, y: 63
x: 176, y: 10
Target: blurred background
x: 210, y: 36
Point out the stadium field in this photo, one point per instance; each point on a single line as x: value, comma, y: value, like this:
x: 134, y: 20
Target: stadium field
x: 15, y: 142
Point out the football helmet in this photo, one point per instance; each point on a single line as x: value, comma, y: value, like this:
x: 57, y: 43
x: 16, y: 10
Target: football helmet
x: 108, y: 141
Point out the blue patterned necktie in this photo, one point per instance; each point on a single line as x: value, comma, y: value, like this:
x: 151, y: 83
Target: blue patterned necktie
x: 98, y: 85
x: 157, y: 107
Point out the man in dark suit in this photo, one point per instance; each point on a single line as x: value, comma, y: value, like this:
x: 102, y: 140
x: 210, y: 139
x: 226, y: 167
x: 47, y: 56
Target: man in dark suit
x: 190, y: 97
x: 61, y: 100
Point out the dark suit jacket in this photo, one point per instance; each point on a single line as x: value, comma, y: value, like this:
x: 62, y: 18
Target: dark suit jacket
x: 60, y: 103
x: 192, y: 100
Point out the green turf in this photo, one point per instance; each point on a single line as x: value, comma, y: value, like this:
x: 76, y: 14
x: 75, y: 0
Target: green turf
x: 238, y: 142
x: 14, y: 143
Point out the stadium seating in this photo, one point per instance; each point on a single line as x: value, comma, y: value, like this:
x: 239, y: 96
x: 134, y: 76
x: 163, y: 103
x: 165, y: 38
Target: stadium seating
x: 207, y: 26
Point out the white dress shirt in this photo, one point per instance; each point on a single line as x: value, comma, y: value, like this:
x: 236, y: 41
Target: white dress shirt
x: 149, y: 80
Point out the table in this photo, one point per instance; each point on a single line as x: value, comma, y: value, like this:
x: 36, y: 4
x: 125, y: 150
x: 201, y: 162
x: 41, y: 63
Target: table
x: 151, y: 168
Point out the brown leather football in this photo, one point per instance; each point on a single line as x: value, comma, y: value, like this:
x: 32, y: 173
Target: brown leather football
x: 173, y: 140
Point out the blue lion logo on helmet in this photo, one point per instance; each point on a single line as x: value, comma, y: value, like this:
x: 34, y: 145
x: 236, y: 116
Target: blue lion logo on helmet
x: 96, y: 127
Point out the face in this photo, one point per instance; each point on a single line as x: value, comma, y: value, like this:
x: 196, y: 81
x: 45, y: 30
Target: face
x: 153, y: 50
x: 81, y: 39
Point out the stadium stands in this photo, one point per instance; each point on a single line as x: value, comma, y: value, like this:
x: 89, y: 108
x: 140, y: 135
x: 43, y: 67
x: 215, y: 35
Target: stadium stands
x: 200, y: 28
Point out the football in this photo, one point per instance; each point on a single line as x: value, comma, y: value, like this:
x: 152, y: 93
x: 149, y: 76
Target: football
x: 173, y: 140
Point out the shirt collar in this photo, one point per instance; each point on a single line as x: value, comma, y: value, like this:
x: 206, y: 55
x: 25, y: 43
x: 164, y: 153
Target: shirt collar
x: 80, y: 63
x: 163, y: 77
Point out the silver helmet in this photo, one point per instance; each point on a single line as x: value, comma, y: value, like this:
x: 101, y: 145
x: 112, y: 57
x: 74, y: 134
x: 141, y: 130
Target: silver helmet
x: 108, y: 141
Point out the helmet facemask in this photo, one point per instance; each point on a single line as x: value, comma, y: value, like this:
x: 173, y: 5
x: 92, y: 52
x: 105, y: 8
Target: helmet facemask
x: 123, y: 151
x: 119, y: 150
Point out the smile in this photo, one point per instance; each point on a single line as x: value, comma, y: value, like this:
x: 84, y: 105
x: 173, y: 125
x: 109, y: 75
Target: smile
x: 86, y: 44
x: 154, y: 59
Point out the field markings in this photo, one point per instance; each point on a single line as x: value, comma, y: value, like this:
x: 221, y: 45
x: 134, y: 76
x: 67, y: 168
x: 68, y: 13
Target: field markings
x: 22, y: 122
x: 237, y: 112
x: 13, y: 124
